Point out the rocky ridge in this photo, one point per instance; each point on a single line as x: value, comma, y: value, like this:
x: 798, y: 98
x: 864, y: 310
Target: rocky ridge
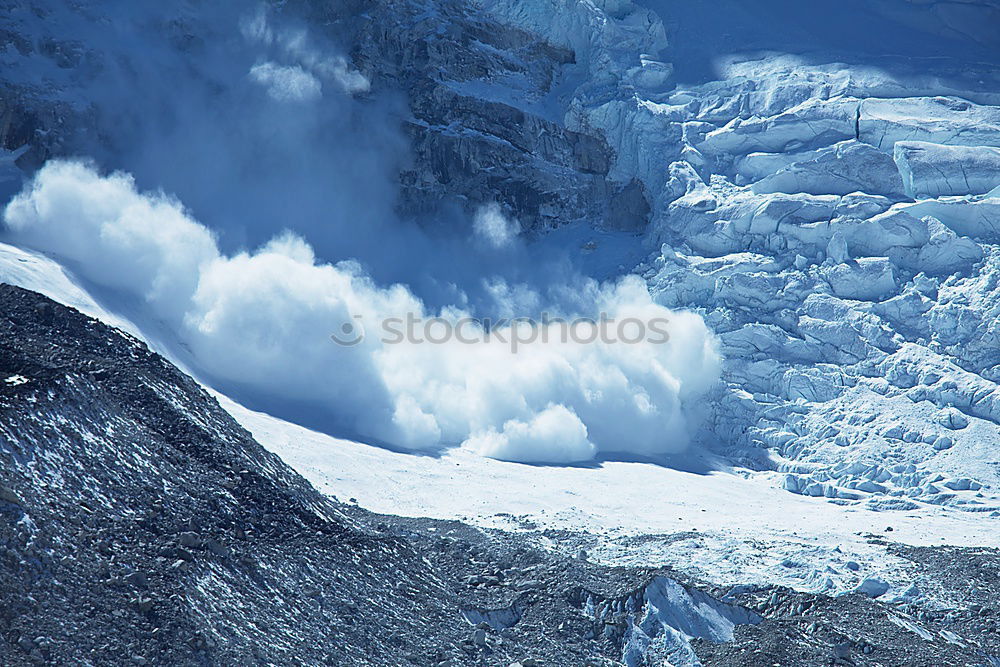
x: 142, y: 525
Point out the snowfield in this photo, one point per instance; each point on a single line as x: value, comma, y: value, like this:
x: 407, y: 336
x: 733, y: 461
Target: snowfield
x: 733, y: 527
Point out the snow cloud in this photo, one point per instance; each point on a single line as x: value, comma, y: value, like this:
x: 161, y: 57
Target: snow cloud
x: 554, y: 434
x: 299, y: 80
x: 242, y: 110
x: 261, y: 321
x: 287, y: 83
x: 260, y: 125
x: 492, y: 227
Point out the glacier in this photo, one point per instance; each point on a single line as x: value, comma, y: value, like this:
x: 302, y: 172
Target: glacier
x: 835, y: 225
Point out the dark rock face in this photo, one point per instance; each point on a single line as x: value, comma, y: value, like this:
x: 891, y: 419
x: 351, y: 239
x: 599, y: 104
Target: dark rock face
x: 477, y: 100
x: 141, y: 523
x: 31, y: 130
x: 480, y: 131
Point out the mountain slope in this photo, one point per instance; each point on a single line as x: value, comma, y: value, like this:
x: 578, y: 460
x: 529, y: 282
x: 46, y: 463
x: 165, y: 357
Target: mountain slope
x: 828, y: 202
x: 141, y: 519
x: 142, y: 525
x: 799, y: 202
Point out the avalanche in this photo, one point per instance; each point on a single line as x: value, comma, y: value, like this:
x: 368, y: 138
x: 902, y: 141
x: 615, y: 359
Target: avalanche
x: 830, y: 213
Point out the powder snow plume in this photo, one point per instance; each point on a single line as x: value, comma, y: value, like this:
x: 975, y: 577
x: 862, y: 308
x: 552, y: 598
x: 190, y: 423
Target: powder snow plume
x: 262, y: 320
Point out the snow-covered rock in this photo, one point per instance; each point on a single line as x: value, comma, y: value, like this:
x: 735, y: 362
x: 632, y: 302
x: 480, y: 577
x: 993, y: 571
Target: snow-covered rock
x: 932, y: 170
x: 943, y: 120
x: 850, y: 166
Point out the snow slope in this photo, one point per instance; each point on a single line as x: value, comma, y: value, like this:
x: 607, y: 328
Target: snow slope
x: 733, y: 527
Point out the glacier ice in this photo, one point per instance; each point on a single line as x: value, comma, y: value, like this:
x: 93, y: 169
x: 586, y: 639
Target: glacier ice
x: 847, y: 167
x: 835, y: 223
x: 664, y: 616
x: 934, y: 170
